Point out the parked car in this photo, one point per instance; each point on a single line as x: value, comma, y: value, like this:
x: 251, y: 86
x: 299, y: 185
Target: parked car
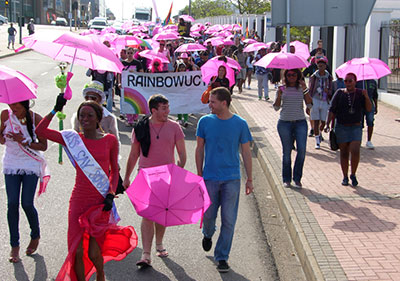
x: 98, y: 24
x: 61, y: 21
x: 3, y: 20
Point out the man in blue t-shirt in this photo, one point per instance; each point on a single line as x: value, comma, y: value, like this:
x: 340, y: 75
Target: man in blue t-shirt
x: 219, y: 137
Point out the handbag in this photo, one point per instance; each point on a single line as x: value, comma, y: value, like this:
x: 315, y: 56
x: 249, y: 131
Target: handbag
x: 333, y: 141
x: 206, y: 95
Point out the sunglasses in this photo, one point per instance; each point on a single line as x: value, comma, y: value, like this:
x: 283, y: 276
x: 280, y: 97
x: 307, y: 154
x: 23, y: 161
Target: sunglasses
x: 129, y: 53
x: 162, y: 44
x: 348, y: 80
x: 291, y: 75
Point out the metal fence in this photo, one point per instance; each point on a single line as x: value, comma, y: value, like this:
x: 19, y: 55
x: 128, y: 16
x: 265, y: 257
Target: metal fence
x: 393, y: 80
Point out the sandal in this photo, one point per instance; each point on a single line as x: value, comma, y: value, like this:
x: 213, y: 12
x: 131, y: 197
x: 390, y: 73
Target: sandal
x: 32, y: 247
x: 161, y: 253
x: 143, y: 262
x: 14, y: 255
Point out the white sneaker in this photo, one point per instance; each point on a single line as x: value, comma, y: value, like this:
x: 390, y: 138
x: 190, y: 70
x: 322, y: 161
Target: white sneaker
x: 369, y: 145
x: 248, y: 87
x: 317, y: 146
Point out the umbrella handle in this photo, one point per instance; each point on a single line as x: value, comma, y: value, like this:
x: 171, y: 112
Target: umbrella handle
x: 61, y: 116
x: 73, y: 60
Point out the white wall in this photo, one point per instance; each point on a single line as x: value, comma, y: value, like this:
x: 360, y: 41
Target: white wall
x: 372, y: 31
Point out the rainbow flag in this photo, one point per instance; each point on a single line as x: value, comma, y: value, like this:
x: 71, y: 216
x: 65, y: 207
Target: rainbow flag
x: 168, y: 18
x: 247, y: 32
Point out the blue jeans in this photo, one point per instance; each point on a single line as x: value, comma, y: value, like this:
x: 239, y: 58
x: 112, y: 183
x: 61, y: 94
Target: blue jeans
x: 262, y: 80
x: 13, y: 189
x: 109, y: 100
x: 288, y: 131
x: 226, y: 195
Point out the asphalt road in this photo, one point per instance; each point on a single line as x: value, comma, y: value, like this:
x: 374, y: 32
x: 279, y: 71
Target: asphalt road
x: 250, y: 257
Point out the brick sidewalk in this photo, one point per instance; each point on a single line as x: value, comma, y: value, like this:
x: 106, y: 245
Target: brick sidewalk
x: 352, y: 233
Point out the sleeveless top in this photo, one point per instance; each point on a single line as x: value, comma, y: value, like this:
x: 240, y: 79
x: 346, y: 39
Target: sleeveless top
x: 16, y: 161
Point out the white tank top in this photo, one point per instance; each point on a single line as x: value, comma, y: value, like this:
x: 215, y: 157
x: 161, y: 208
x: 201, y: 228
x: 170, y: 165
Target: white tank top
x: 15, y: 160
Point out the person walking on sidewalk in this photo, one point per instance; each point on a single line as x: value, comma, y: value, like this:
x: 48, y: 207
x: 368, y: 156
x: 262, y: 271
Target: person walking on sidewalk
x: 11, y: 36
x: 220, y: 135
x: 372, y: 89
x: 154, y: 139
x: 320, y: 86
x: 262, y: 75
x: 292, y: 124
x: 31, y: 27
x: 347, y: 108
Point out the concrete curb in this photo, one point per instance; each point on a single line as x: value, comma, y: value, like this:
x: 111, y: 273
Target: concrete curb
x: 307, y: 259
x: 14, y: 53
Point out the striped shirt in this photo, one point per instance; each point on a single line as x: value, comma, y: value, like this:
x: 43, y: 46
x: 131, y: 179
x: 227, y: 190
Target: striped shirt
x: 292, y: 104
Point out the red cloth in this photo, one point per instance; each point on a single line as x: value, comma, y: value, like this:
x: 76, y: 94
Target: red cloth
x: 85, y: 215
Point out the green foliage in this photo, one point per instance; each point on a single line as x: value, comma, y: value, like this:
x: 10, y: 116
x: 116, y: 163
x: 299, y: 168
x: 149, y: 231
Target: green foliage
x: 252, y: 6
x: 208, y: 8
x: 300, y: 33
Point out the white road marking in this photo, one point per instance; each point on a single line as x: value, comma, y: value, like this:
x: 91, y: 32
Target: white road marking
x: 44, y: 73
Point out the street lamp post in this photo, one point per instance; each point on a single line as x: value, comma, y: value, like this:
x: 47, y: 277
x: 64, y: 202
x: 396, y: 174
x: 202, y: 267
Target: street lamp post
x: 190, y: 7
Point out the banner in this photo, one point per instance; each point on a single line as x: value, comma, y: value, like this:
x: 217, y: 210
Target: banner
x: 182, y: 89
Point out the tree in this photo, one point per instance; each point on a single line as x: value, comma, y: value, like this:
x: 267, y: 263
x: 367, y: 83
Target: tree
x: 252, y: 6
x: 300, y: 33
x: 208, y: 8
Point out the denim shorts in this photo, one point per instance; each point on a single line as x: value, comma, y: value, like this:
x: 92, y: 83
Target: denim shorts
x: 348, y: 133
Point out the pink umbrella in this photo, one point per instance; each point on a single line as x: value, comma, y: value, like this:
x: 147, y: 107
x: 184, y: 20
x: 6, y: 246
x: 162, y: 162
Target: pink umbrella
x: 301, y: 49
x: 249, y: 41
x: 236, y: 27
x: 190, y: 47
x: 186, y: 18
x: 282, y: 61
x: 197, y: 27
x: 210, y: 69
x: 126, y: 40
x: 86, y: 51
x: 169, y: 195
x: 15, y: 86
x: 222, y: 34
x: 195, y: 34
x: 256, y: 46
x: 170, y: 27
x: 364, y: 68
x: 165, y: 36
x: 152, y: 54
x: 214, y: 41
x: 227, y: 27
x: 228, y: 42
x: 109, y: 29
x: 230, y: 62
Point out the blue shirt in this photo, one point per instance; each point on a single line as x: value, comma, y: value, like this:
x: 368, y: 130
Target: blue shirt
x: 222, y: 139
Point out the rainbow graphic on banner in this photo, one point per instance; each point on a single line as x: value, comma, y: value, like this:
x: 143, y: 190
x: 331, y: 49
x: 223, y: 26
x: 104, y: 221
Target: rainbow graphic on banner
x: 136, y: 100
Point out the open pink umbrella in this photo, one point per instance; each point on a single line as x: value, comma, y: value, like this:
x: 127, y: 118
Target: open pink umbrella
x: 236, y: 27
x: 152, y: 54
x: 365, y: 68
x: 249, y: 41
x: 214, y: 41
x: 210, y: 69
x: 228, y: 42
x: 230, y: 62
x: 282, y: 61
x: 169, y: 195
x: 15, y: 86
x: 256, y: 46
x: 166, y: 36
x: 301, y: 49
x: 197, y: 27
x: 187, y: 18
x: 190, y: 47
x: 194, y: 34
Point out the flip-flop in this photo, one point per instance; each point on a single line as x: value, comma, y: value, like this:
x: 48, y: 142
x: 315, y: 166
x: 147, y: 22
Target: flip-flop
x: 14, y: 259
x: 162, y: 253
x: 30, y: 251
x: 143, y: 263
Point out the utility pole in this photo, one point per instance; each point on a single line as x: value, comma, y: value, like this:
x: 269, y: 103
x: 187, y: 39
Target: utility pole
x: 21, y: 21
x: 70, y: 15
x: 288, y: 26
x: 190, y: 7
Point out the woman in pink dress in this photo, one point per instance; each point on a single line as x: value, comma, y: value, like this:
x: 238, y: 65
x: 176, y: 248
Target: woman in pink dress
x: 91, y: 245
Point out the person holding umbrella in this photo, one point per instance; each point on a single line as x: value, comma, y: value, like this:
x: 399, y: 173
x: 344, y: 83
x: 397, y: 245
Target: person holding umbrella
x: 154, y: 139
x: 21, y: 170
x: 292, y: 124
x: 347, y: 107
x: 93, y: 236
x: 219, y: 137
